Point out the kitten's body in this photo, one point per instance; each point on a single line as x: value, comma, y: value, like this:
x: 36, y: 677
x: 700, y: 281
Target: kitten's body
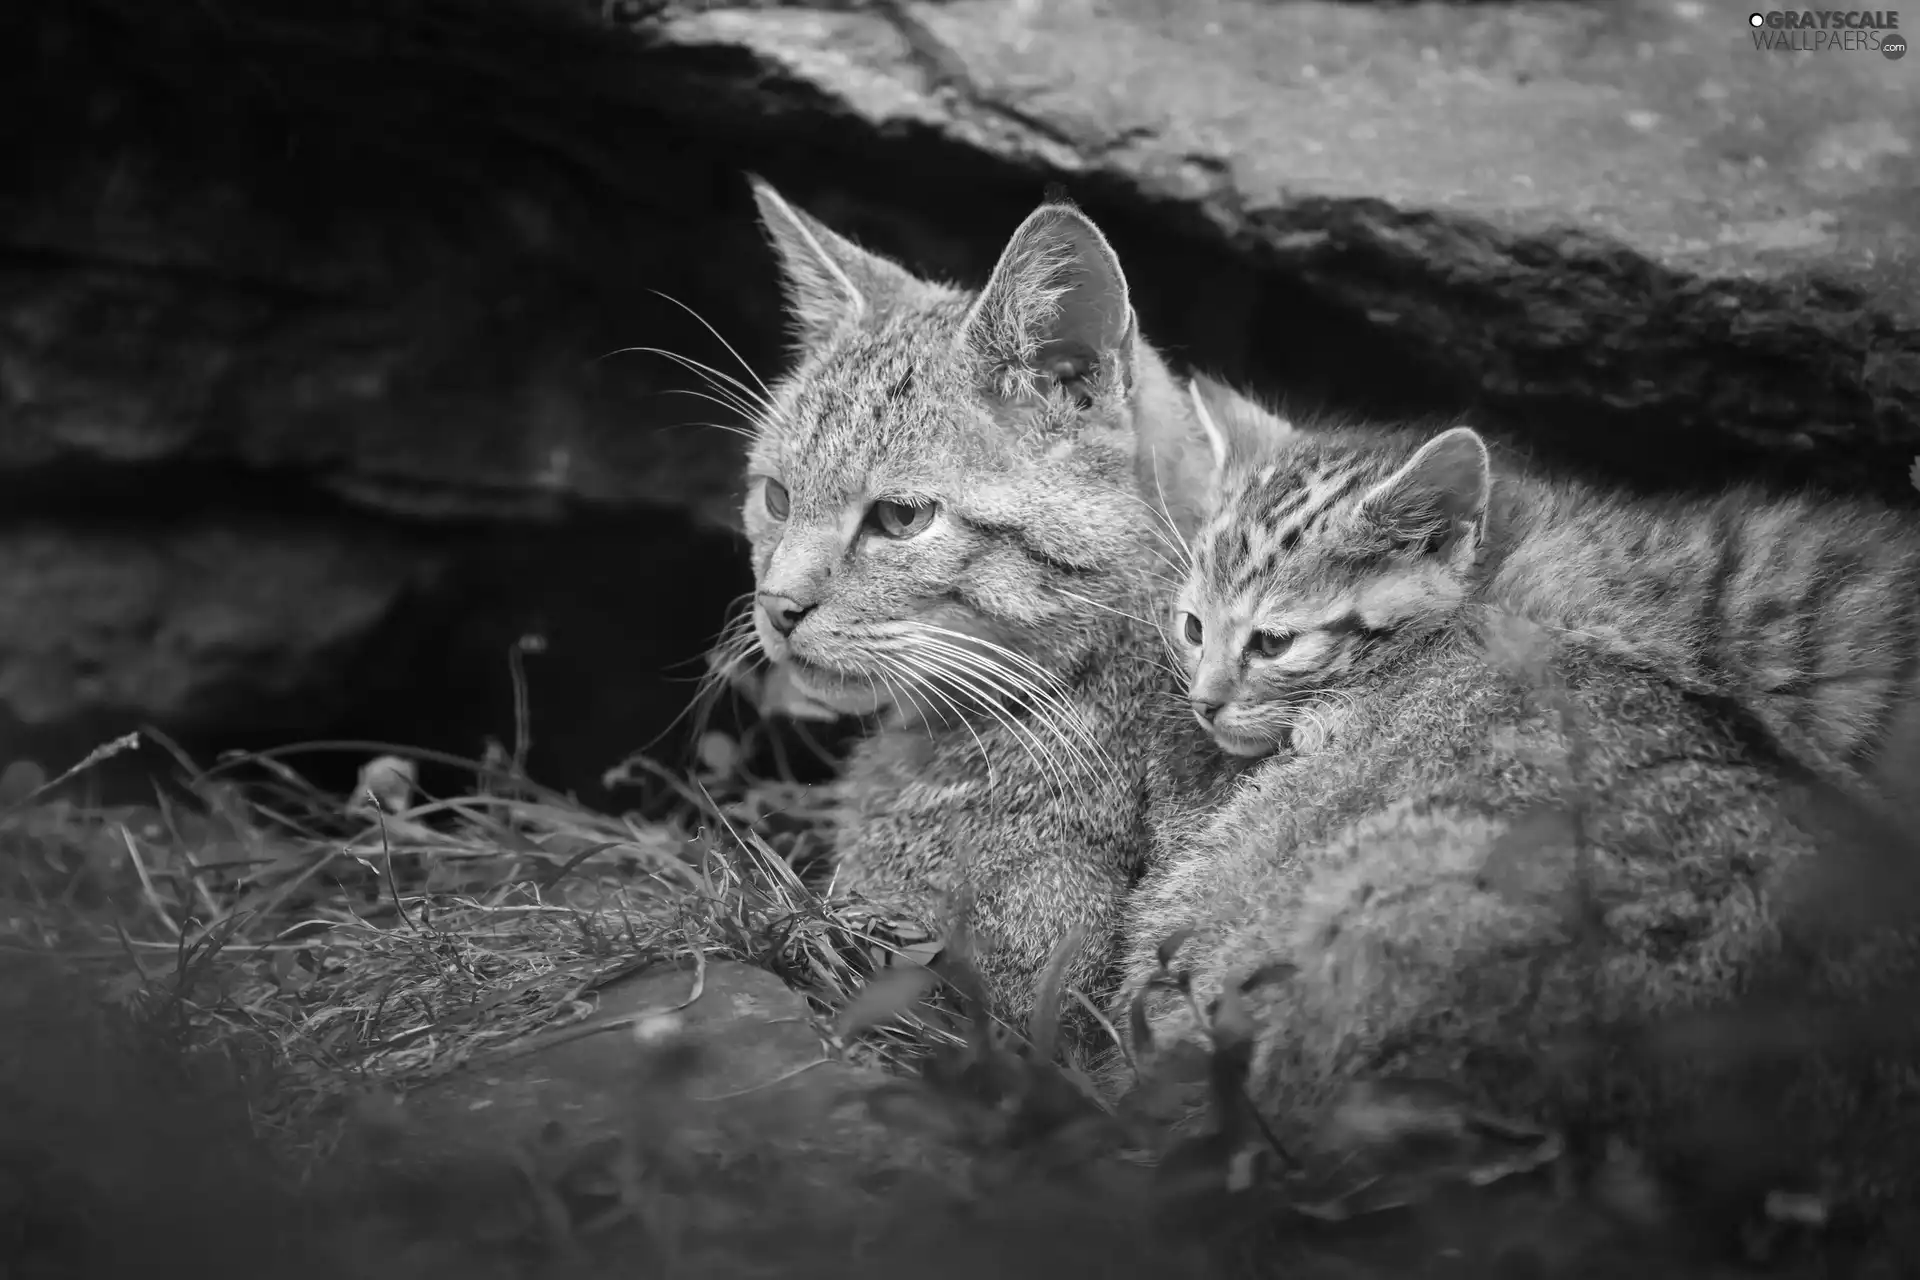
x: 959, y: 516
x: 1805, y: 611
x: 1414, y: 849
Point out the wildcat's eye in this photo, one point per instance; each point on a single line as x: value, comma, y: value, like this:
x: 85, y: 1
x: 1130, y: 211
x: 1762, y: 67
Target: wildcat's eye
x: 775, y: 496
x: 903, y: 519
x: 1190, y: 627
x: 1269, y: 644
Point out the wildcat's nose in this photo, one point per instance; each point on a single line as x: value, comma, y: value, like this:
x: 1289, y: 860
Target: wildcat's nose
x: 1207, y: 710
x: 783, y: 614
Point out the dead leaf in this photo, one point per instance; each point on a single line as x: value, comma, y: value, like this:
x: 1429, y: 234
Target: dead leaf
x: 890, y: 994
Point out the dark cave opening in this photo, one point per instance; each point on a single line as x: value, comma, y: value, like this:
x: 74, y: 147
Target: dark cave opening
x: 468, y: 209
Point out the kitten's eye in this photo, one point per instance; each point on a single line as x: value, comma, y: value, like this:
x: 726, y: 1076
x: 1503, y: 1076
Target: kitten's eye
x: 775, y: 496
x: 1269, y: 644
x: 1190, y: 627
x: 903, y: 519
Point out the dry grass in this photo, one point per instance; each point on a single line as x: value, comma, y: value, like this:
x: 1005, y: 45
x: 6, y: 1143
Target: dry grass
x: 200, y: 995
x: 206, y: 996
x: 365, y: 941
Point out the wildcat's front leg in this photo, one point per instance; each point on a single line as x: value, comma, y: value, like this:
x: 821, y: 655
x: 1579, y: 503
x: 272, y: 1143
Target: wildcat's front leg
x: 1021, y: 850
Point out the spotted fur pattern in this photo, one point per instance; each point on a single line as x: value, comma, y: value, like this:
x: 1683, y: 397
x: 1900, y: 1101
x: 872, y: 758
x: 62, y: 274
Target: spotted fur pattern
x: 1415, y: 773
x: 958, y: 505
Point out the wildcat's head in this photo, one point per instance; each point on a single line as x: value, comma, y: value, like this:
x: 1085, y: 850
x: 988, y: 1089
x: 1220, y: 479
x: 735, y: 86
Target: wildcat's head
x: 941, y: 495
x: 1325, y: 553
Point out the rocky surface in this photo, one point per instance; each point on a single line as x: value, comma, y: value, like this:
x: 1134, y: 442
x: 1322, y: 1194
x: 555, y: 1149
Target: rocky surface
x: 309, y: 400
x: 1637, y: 240
x: 707, y: 1121
x: 714, y: 1053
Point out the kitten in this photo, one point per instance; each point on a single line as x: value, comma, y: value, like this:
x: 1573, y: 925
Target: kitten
x: 958, y: 505
x: 1806, y: 612
x: 1480, y: 840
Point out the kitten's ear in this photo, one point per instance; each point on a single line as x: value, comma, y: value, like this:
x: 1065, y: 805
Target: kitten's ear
x: 1055, y: 310
x: 1236, y: 427
x: 829, y: 280
x: 1437, y: 495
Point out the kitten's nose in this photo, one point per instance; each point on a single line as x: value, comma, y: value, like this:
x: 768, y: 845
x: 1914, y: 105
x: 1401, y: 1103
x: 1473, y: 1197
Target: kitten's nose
x: 782, y: 613
x: 1207, y: 710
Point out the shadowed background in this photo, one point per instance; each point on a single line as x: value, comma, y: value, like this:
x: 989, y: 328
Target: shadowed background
x: 313, y: 389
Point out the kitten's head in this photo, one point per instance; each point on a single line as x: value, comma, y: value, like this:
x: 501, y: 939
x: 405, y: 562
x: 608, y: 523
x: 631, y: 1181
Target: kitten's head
x: 1325, y: 553
x: 942, y: 490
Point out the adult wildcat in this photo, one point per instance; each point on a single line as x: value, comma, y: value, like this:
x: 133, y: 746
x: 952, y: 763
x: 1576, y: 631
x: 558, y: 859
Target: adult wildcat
x: 958, y: 508
x: 1496, y: 851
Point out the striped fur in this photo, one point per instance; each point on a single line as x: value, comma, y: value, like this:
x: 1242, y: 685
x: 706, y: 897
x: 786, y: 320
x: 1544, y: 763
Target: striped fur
x: 1804, y: 611
x: 1006, y: 638
x: 1482, y: 842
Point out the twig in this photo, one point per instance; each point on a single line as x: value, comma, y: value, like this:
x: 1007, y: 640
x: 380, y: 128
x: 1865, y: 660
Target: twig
x: 522, y: 707
x: 393, y: 885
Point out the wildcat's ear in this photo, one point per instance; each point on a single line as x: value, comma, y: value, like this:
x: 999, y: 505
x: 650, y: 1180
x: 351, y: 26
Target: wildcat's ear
x: 1440, y: 493
x: 1237, y: 428
x: 1055, y: 311
x: 829, y: 280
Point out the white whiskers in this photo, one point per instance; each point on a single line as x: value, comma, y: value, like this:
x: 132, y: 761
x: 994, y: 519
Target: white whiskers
x: 997, y: 676
x: 754, y: 403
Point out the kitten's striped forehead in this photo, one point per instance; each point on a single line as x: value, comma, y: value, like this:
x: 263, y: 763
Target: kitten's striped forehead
x: 1268, y: 512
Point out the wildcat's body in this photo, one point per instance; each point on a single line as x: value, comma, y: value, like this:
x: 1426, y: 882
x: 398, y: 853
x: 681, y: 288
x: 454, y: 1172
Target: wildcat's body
x: 1482, y: 840
x: 958, y: 509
